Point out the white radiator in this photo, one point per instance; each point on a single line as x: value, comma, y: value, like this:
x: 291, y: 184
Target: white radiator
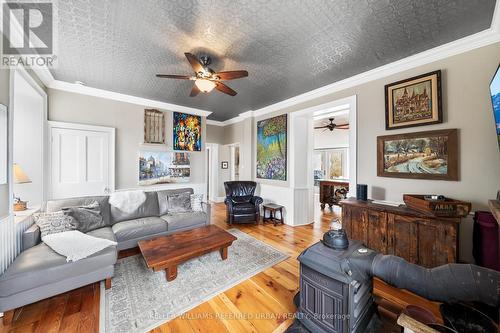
x: 11, y: 239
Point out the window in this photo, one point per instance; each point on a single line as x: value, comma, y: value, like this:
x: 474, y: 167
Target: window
x: 331, y: 164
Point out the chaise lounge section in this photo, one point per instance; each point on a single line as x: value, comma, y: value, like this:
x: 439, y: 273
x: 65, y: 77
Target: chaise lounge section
x: 38, y: 272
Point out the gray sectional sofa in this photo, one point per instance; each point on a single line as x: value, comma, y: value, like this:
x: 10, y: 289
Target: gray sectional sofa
x: 38, y: 272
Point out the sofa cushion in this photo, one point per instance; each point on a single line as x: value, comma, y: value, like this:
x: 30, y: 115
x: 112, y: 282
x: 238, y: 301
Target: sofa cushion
x: 243, y: 208
x: 184, y: 220
x: 163, y: 194
x: 40, y: 265
x: 130, y: 205
x: 88, y: 218
x: 53, y: 223
x: 57, y: 205
x: 179, y: 203
x: 138, y: 228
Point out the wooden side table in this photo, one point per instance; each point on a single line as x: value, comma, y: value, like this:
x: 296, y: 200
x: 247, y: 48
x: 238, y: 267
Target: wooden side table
x: 272, y: 208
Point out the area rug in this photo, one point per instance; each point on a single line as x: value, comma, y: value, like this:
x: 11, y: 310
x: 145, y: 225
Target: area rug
x: 141, y: 299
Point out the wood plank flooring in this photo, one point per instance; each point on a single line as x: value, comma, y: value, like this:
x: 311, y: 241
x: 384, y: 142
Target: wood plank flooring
x: 263, y: 303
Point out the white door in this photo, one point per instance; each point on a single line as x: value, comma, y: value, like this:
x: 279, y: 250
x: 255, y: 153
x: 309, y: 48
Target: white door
x: 82, y: 160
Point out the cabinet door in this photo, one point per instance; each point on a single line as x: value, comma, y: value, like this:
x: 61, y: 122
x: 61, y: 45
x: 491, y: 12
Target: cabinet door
x: 447, y: 243
x: 377, y: 231
x: 428, y: 234
x: 346, y: 220
x: 359, y: 224
x: 437, y: 242
x: 403, y: 237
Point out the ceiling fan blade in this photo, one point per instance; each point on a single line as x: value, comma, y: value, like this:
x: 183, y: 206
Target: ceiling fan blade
x: 342, y: 128
x: 168, y: 76
x: 195, y: 63
x: 320, y: 127
x: 231, y: 75
x: 195, y: 91
x: 225, y: 89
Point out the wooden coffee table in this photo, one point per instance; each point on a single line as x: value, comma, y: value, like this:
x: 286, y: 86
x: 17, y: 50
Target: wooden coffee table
x: 166, y: 252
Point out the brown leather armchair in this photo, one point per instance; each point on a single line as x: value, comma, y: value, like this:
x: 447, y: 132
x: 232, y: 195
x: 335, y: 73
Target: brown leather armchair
x: 242, y: 206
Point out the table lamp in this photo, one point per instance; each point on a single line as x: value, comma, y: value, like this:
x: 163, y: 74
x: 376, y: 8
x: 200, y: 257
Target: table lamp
x: 20, y: 177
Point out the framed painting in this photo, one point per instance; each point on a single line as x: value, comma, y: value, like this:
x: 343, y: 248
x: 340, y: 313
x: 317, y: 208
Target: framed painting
x: 419, y: 155
x: 414, y: 102
x: 272, y: 148
x: 187, y: 132
x: 159, y: 167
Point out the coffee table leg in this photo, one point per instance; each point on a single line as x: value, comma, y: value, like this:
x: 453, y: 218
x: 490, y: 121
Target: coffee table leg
x: 223, y: 253
x: 171, y: 273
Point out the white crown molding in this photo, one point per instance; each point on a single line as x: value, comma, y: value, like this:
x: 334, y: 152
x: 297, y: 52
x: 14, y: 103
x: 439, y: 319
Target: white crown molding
x: 215, y: 122
x: 84, y: 90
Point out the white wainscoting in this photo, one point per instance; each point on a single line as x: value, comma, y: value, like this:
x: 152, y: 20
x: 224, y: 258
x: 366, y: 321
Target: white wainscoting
x: 11, y: 242
x: 295, y: 200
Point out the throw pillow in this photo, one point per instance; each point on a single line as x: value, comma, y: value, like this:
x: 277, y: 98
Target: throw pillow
x: 75, y: 245
x: 53, y: 223
x: 88, y: 217
x: 179, y: 203
x: 196, y: 200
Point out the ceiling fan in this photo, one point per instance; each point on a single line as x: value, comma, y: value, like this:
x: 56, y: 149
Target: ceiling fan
x: 331, y: 125
x: 205, y: 79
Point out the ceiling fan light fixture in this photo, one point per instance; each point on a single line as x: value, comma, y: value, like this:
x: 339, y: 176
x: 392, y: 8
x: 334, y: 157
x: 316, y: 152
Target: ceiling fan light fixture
x: 205, y: 85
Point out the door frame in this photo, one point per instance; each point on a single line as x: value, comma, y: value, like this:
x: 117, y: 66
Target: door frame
x: 213, y: 161
x: 10, y: 135
x: 74, y: 126
x: 232, y: 149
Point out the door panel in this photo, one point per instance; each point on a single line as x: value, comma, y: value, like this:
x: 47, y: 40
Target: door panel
x: 377, y: 231
x: 359, y: 225
x: 80, y: 162
x: 402, y: 237
x: 428, y: 240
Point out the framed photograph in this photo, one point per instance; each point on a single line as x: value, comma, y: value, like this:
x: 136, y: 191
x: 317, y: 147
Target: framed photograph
x: 419, y: 155
x: 271, y: 148
x: 160, y: 167
x: 225, y: 165
x: 187, y: 132
x: 414, y: 102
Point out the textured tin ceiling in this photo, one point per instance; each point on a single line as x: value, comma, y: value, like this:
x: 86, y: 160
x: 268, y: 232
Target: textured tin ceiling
x: 289, y: 47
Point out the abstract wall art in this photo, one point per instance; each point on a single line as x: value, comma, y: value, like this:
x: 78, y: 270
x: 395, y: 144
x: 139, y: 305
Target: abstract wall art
x: 272, y: 148
x: 187, y: 132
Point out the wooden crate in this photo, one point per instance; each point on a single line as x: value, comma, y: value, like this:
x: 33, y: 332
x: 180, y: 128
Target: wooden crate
x: 444, y: 208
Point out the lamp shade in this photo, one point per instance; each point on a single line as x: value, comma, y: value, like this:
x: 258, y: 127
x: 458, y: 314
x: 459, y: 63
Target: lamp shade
x: 20, y: 177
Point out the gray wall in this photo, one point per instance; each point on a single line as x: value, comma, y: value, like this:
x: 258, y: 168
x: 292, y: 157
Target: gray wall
x: 215, y: 134
x: 128, y: 120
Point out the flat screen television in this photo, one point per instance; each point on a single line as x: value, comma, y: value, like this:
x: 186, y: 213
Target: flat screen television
x: 495, y: 100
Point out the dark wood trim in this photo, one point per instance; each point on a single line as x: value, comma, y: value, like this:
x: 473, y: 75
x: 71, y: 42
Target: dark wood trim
x: 453, y: 157
x: 107, y: 283
x: 439, y: 101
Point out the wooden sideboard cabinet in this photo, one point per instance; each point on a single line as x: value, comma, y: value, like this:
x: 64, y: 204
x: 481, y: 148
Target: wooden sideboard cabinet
x: 420, y: 238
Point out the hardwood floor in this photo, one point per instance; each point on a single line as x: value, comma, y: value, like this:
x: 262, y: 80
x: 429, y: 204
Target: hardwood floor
x: 263, y: 303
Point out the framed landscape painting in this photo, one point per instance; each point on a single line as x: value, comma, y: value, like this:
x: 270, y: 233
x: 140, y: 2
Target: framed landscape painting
x: 159, y: 167
x: 271, y: 148
x: 420, y: 155
x: 187, y: 132
x: 414, y: 102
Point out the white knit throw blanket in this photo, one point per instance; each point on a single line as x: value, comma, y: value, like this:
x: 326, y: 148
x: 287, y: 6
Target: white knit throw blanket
x: 127, y: 201
x: 75, y: 245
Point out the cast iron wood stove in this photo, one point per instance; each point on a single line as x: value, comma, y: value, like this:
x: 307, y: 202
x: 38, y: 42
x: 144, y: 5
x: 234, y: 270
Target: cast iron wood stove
x: 335, y: 296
